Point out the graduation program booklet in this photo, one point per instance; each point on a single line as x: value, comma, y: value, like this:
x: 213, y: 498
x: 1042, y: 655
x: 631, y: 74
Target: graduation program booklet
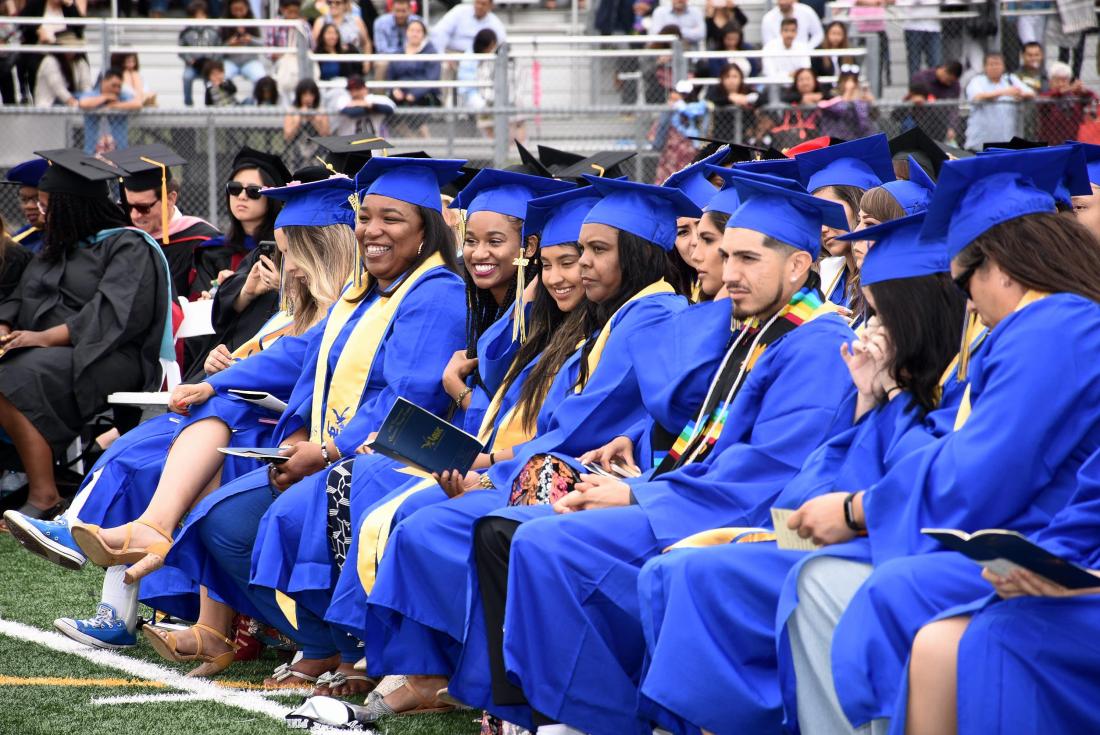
x: 271, y: 455
x: 1002, y: 551
x: 422, y: 440
x: 785, y: 538
x: 259, y: 398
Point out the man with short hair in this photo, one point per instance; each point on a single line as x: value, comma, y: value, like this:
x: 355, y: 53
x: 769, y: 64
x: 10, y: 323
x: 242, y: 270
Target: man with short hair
x: 785, y: 66
x: 1033, y: 70
x: 942, y: 82
x: 690, y: 21
x: 359, y: 110
x: 456, y: 30
x: 389, y: 29
x: 110, y: 95
x: 810, y: 31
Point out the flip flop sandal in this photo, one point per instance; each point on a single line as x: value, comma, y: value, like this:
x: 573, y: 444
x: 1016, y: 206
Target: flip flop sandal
x: 332, y: 679
x: 375, y: 708
x: 285, y: 677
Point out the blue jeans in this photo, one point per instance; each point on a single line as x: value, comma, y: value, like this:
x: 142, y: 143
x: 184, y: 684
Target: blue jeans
x: 924, y: 44
x: 189, y: 77
x: 252, y: 70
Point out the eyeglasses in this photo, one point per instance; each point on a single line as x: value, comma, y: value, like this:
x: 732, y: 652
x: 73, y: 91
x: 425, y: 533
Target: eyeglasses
x: 963, y: 281
x: 143, y: 209
x: 234, y: 189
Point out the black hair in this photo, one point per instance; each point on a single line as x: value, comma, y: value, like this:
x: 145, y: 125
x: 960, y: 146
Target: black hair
x: 197, y: 6
x: 235, y: 235
x: 112, y: 73
x: 641, y: 263
x: 210, y: 66
x: 733, y: 27
x: 266, y: 91
x: 304, y: 86
x: 339, y: 48
x: 482, y: 309
x: 954, y: 68
x: 924, y: 318
x: 789, y: 22
x: 118, y: 60
x: 1032, y: 43
x: 484, y: 40
x: 71, y: 218
x: 552, y: 337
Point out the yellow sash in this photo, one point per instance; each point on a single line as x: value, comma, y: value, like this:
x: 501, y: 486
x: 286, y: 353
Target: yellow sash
x: 334, y: 408
x: 660, y: 286
x: 964, y: 405
x: 279, y: 325
x: 24, y: 234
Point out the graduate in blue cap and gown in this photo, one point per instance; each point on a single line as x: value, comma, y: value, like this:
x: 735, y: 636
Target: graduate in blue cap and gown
x: 1027, y: 652
x: 361, y: 358
x: 842, y: 173
x: 1087, y: 206
x: 1021, y: 435
x: 26, y: 176
x: 727, y: 682
x: 579, y: 569
x: 120, y: 486
x: 697, y: 186
x: 627, y: 242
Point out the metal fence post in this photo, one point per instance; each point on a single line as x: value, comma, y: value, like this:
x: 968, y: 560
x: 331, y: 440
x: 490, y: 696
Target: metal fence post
x: 679, y: 63
x: 305, y: 69
x: 211, y: 169
x: 501, y: 102
x: 104, y: 44
x: 873, y: 59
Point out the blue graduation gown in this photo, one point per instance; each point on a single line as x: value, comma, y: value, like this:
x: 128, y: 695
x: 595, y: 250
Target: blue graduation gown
x: 1012, y: 465
x: 573, y: 632
x: 425, y: 330
x: 419, y: 599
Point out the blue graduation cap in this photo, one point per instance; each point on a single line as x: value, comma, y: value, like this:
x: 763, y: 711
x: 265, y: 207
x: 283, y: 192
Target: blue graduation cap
x: 899, y: 251
x: 28, y: 173
x: 727, y: 200
x: 915, y: 193
x: 782, y: 209
x: 644, y: 210
x: 693, y: 181
x: 318, y: 203
x: 975, y: 194
x: 1074, y: 180
x: 557, y: 218
x: 412, y: 180
x: 505, y: 192
x: 1092, y: 161
x: 864, y: 164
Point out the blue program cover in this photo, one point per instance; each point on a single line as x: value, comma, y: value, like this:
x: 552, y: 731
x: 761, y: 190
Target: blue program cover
x: 422, y: 440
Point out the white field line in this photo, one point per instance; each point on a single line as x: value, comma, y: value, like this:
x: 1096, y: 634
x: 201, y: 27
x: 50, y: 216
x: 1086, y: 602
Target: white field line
x: 149, y: 698
x: 196, y: 688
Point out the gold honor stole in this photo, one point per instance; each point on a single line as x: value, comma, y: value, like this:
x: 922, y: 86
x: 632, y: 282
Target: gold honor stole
x: 964, y: 405
x: 24, y: 234
x: 277, y: 326
x: 334, y: 408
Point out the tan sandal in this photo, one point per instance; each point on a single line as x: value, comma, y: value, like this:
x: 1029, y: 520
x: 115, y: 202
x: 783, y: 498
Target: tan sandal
x: 164, y: 643
x: 375, y: 707
x: 141, y: 561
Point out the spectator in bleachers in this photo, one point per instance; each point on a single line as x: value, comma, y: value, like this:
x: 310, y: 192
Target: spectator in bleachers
x: 390, y: 29
x: 265, y: 93
x: 53, y: 11
x: 249, y: 66
x: 732, y: 38
x: 128, y: 64
x: 474, y: 70
x: 913, y: 113
x: 220, y: 90
x: 799, y: 122
x: 690, y: 21
x: 304, y: 121
x: 836, y: 37
x: 719, y: 15
x: 657, y: 70
x: 455, y: 31
x: 849, y: 113
x: 415, y: 70
x: 329, y: 42
x: 810, y: 32
x: 193, y: 64
x: 103, y: 133
x: 63, y: 76
x: 923, y: 46
x: 805, y: 90
x: 10, y: 35
x: 353, y: 32
x: 622, y: 17
x: 942, y: 82
x: 733, y: 99
x: 993, y: 96
x: 783, y: 67
x: 360, y: 111
x: 287, y: 37
x: 1063, y: 106
x: 688, y: 118
x: 1033, y: 70
x: 1031, y: 27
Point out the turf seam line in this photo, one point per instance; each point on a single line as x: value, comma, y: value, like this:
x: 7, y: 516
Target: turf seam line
x: 203, y: 688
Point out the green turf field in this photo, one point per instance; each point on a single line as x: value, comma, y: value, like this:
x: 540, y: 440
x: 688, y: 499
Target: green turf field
x: 49, y: 692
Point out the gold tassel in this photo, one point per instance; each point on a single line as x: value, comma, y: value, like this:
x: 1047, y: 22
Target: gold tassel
x: 163, y: 197
x: 519, y: 317
x: 326, y: 164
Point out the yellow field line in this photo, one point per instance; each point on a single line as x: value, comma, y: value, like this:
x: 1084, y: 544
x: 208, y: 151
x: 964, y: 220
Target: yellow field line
x: 65, y: 681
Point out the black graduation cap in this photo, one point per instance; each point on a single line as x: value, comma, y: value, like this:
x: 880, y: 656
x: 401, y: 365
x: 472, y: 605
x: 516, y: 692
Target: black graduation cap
x: 917, y: 143
x: 144, y: 166
x: 605, y: 164
x: 558, y: 160
x: 468, y: 173
x: 73, y: 172
x: 529, y: 164
x: 269, y: 163
x: 954, y: 152
x: 1016, y: 144
x: 309, y: 174
x: 739, y: 152
x: 349, y: 153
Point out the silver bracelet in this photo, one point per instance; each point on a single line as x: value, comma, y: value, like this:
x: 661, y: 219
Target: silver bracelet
x: 324, y: 454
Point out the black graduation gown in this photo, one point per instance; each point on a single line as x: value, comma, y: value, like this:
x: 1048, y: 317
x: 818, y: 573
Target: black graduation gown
x: 112, y: 295
x: 180, y: 253
x: 12, y: 264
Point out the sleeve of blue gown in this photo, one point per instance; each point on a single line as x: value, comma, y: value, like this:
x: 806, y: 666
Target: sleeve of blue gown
x: 1032, y: 404
x: 609, y: 403
x: 781, y: 414
x: 636, y: 432
x: 495, y: 351
x: 1074, y: 532
x: 429, y: 326
x: 274, y: 370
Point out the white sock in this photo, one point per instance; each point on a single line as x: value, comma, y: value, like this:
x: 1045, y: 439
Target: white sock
x: 557, y: 729
x: 121, y: 596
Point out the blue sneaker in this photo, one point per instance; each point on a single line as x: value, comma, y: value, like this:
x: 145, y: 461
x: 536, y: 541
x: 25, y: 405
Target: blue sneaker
x: 105, y: 630
x: 49, y: 539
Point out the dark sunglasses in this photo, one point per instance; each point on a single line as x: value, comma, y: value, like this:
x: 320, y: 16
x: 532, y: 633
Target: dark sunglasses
x: 963, y: 281
x: 143, y: 209
x: 234, y: 189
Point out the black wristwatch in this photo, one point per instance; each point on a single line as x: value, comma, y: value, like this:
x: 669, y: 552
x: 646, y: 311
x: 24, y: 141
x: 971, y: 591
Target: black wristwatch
x: 849, y: 513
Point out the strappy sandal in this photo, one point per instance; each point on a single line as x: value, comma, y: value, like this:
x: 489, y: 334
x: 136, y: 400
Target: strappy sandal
x: 375, y: 707
x: 165, y: 643
x: 141, y: 561
x: 335, y: 679
x: 285, y: 677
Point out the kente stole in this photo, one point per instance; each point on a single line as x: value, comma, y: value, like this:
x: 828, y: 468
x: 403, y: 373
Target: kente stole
x: 333, y: 408
x: 699, y: 436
